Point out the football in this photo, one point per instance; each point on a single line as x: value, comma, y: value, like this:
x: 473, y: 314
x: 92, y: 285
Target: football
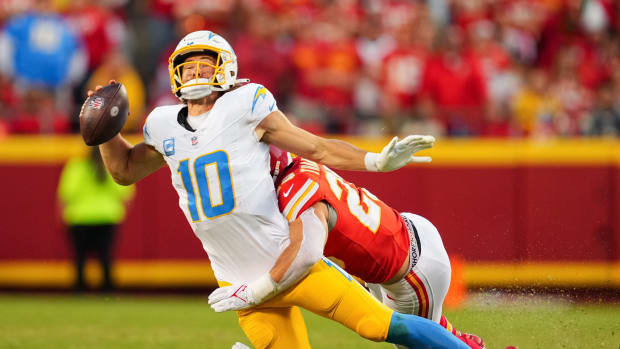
x: 104, y: 114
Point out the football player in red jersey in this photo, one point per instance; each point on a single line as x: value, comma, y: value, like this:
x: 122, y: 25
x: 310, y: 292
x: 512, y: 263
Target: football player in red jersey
x: 399, y: 255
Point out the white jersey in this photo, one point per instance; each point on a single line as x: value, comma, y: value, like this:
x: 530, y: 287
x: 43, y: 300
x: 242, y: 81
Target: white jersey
x: 221, y: 173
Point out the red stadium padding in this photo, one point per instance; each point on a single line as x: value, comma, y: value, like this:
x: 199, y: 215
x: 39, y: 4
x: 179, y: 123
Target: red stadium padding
x: 483, y: 214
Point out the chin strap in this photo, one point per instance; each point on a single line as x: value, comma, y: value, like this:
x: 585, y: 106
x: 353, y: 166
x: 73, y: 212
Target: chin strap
x: 240, y: 82
x: 197, y: 91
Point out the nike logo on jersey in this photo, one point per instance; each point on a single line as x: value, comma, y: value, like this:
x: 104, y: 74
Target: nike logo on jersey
x: 272, y: 106
x: 288, y: 191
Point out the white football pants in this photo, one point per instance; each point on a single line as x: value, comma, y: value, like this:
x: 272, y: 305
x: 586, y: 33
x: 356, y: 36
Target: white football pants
x: 423, y: 289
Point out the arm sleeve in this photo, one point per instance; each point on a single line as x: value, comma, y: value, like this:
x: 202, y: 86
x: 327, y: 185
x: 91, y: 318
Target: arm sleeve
x: 310, y: 252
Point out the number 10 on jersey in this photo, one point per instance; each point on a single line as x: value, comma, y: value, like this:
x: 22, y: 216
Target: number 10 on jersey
x: 211, y: 173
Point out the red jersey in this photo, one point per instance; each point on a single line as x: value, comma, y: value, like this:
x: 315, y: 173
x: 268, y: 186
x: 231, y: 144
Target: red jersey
x: 370, y: 237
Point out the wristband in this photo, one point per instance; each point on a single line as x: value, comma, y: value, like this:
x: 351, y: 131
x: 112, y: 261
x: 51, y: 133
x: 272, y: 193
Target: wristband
x: 370, y: 160
x: 262, y: 288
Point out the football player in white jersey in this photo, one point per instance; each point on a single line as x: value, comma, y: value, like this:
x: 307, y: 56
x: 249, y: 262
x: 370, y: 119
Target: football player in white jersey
x: 216, y: 145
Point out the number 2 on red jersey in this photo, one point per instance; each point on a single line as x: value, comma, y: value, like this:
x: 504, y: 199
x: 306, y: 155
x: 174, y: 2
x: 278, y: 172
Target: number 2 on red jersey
x: 370, y: 218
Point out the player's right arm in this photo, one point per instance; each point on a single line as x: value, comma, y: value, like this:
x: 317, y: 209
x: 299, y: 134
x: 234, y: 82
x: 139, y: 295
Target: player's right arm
x: 128, y: 163
x: 125, y: 162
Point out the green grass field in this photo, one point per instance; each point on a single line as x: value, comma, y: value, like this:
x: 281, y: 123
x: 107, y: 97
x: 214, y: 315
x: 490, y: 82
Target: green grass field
x: 125, y: 321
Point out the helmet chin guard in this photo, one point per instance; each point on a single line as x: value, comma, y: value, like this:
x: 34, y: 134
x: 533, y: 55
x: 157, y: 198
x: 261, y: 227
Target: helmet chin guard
x: 225, y: 66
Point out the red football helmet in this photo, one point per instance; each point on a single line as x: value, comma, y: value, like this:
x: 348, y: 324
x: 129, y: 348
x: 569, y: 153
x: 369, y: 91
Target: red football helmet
x: 279, y: 160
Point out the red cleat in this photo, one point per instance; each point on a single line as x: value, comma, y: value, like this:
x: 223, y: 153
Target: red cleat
x: 472, y: 340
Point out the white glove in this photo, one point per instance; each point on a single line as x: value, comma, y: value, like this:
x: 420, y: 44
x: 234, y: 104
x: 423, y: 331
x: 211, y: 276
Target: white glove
x: 242, y: 296
x: 399, y: 153
x: 239, y: 345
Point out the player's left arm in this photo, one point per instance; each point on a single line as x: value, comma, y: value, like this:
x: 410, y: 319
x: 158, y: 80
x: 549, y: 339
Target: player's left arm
x: 277, y: 130
x: 308, y: 234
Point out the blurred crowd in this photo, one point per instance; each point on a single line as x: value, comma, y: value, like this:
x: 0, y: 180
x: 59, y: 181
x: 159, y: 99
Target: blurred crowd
x: 500, y: 68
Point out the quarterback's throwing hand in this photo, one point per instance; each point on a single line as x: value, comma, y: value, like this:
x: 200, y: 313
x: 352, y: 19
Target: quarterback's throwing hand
x: 399, y: 153
x: 235, y: 297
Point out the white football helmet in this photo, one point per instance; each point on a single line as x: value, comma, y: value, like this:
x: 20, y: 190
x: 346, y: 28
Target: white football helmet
x: 224, y: 76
